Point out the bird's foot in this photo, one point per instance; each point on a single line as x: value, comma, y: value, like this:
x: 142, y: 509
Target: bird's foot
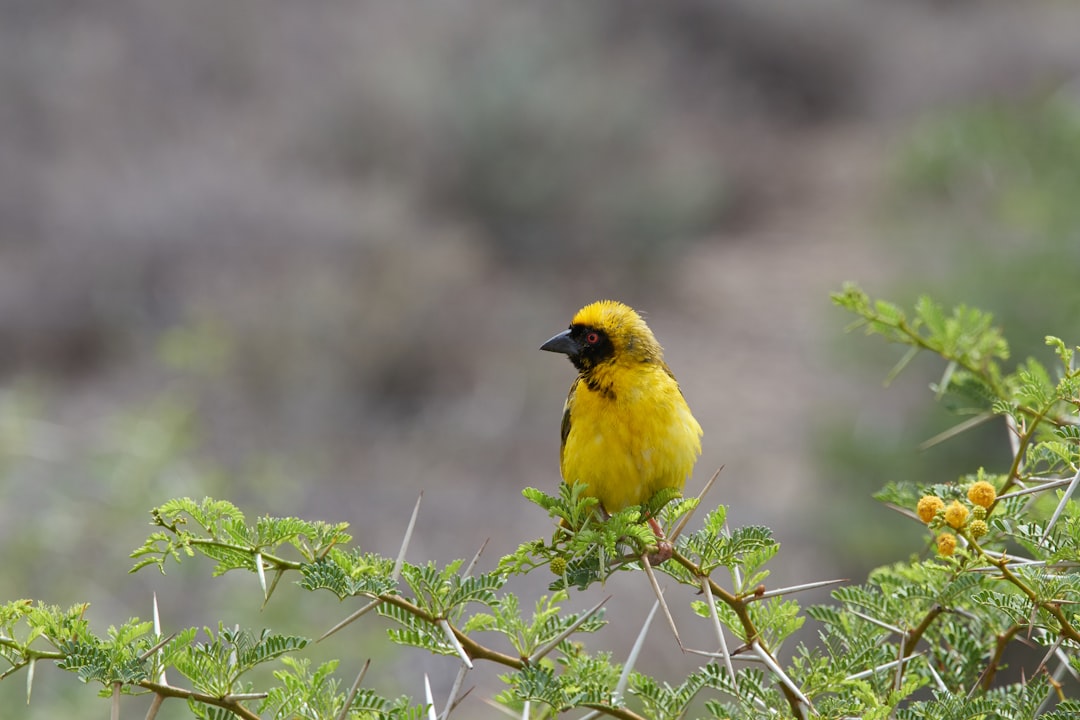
x: 664, y: 549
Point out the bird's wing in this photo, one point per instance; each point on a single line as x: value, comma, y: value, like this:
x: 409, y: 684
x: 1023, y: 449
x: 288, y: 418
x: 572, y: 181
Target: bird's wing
x: 564, y: 430
x: 672, y: 376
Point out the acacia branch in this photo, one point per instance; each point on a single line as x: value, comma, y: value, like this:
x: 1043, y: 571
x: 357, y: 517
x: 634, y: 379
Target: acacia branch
x: 271, y: 560
x: 30, y: 654
x: 615, y: 712
x: 740, y: 607
x: 1025, y: 440
x: 1054, y: 608
x: 912, y: 637
x: 475, y: 650
x: 232, y: 703
x: 1003, y: 640
x: 732, y: 601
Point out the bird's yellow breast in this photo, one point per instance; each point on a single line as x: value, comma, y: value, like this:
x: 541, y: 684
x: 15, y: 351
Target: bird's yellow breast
x: 628, y: 434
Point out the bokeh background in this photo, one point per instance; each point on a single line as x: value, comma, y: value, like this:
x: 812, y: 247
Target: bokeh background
x: 301, y: 256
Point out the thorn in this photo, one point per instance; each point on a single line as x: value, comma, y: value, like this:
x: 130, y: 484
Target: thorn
x: 355, y: 616
x: 736, y: 574
x: 937, y: 678
x: 1061, y: 506
x: 907, y: 512
x: 155, y: 706
x: 273, y: 586
x: 779, y: 672
x: 352, y: 692
x: 451, y: 702
x: 469, y: 569
x: 900, y: 662
x: 429, y: 699
x: 686, y: 518
x: 1056, y: 483
x: 261, y: 573
x: 956, y: 429
x: 946, y: 378
x: 30, y: 678
x: 879, y: 623
x: 624, y: 678
x: 448, y: 631
x: 707, y: 589
x: 157, y: 646
x: 157, y: 632
x: 660, y: 598
x: 884, y: 666
x: 720, y: 656
x: 1014, y: 435
x: 405, y: 542
x: 793, y: 589
x: 554, y: 642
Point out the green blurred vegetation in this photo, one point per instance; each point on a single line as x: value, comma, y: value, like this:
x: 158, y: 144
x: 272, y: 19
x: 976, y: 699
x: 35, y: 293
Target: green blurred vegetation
x: 986, y: 197
x: 982, y: 209
x: 74, y: 497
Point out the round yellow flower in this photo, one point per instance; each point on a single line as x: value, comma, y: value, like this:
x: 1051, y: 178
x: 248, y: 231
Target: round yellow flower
x: 978, y: 528
x: 956, y: 514
x: 558, y: 565
x: 982, y: 494
x: 946, y: 544
x: 928, y: 507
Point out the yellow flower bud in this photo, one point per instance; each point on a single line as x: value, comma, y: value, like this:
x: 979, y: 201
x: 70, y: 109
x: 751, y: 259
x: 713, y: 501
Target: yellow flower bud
x: 558, y: 565
x: 978, y: 528
x: 982, y: 494
x: 956, y: 514
x: 928, y: 507
x: 946, y: 544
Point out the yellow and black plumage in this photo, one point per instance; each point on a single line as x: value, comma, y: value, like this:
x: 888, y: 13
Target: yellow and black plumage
x: 627, y: 431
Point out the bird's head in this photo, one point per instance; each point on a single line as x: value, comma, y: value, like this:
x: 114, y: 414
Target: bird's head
x: 606, y: 332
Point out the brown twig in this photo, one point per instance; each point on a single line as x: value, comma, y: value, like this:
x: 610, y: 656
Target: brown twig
x: 1003, y: 640
x: 229, y: 702
x: 752, y: 637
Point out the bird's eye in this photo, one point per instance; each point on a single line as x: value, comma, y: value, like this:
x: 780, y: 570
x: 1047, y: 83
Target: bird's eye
x: 592, y: 338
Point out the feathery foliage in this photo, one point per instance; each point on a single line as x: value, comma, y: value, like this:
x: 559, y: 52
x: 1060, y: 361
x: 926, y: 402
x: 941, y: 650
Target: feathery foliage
x: 983, y: 622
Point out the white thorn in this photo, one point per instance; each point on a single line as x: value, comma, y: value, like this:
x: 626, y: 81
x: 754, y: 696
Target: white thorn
x: 779, y: 672
x: 454, y: 642
x: 429, y: 698
x: 793, y: 589
x: 355, y: 616
x: 454, y: 691
x: 624, y: 678
x: 1061, y: 505
x: 405, y: 542
x: 261, y: 573
x: 554, y: 642
x: 707, y: 588
x: 157, y: 632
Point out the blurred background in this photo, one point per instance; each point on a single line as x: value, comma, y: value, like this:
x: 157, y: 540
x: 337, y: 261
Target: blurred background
x: 301, y: 256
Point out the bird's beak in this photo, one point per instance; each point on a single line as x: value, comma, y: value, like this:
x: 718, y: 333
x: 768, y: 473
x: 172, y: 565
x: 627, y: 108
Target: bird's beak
x: 562, y: 343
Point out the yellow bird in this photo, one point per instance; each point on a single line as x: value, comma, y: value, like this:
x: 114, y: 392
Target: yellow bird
x: 627, y: 431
